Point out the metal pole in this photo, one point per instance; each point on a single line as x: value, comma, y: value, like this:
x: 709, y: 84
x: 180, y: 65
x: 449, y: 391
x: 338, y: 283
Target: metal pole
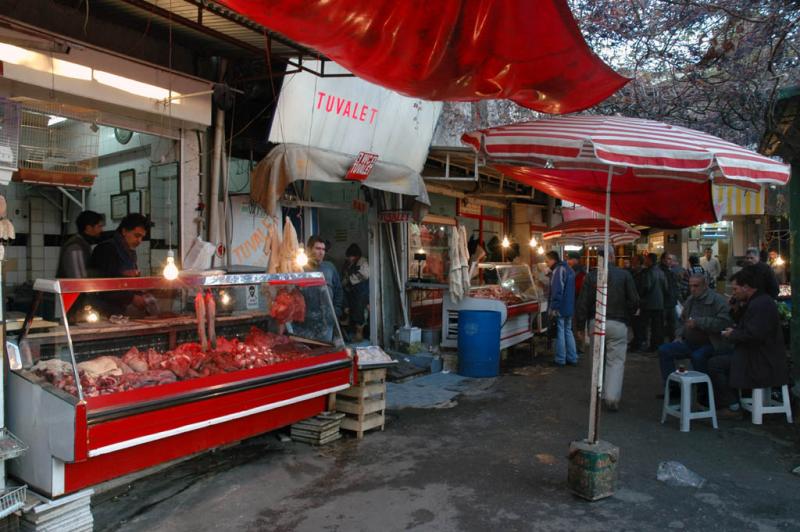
x: 794, y: 263
x: 598, y: 349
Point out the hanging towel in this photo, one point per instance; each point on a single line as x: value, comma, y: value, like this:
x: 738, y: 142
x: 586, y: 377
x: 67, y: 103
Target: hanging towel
x: 289, y: 248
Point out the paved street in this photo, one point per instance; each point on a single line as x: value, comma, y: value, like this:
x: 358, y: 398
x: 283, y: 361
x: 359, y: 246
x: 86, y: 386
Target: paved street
x: 494, y: 461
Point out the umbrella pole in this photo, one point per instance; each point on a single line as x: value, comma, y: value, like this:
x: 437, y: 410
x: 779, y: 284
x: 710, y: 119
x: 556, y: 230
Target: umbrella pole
x: 598, y: 349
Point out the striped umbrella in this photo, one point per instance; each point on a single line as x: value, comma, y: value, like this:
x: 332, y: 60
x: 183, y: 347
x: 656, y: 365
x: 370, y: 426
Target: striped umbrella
x: 662, y: 176
x: 591, y: 232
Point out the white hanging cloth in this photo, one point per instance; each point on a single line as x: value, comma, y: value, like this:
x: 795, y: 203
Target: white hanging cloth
x: 464, y: 257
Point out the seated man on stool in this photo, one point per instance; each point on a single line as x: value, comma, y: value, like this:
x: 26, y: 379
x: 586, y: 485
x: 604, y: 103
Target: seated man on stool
x: 705, y: 315
x: 759, y: 357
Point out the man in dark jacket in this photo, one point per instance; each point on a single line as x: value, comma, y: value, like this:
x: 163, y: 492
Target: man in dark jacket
x: 76, y: 251
x: 653, y: 292
x: 561, y: 306
x: 622, y: 302
x: 705, y: 315
x: 116, y: 257
x: 765, y: 276
x: 638, y: 324
x: 671, y: 297
x: 759, y: 357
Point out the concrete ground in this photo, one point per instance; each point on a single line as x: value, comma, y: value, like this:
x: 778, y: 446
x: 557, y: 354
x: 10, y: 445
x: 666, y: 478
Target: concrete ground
x: 494, y: 460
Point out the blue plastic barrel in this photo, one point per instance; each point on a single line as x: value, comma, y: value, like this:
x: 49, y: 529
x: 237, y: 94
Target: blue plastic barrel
x: 478, y: 343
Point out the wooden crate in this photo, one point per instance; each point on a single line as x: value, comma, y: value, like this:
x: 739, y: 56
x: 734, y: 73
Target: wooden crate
x: 364, y: 405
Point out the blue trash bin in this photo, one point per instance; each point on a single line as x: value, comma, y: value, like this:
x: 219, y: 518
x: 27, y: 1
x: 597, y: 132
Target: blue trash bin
x: 478, y: 343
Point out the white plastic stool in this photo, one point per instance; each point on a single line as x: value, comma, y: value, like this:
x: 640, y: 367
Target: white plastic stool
x: 684, y: 410
x: 762, y: 403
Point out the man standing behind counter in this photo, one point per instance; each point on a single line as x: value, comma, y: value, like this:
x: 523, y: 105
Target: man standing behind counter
x: 75, y: 253
x: 116, y: 257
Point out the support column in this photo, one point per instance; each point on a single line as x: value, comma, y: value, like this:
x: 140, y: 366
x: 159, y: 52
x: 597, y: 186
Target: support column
x: 794, y: 263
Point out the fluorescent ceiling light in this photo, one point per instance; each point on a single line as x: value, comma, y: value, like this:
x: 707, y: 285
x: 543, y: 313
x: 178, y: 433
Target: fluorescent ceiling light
x: 55, y: 120
x: 16, y: 55
x: 71, y: 70
x: 133, y: 86
x: 572, y: 247
x: 44, y: 63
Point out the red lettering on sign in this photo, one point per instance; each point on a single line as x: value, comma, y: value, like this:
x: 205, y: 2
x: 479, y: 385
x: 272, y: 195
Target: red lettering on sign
x: 346, y: 108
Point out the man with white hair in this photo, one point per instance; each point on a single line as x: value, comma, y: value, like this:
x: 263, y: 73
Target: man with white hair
x: 765, y: 277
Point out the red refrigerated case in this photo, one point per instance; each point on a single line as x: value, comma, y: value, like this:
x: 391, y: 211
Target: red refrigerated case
x: 100, y: 395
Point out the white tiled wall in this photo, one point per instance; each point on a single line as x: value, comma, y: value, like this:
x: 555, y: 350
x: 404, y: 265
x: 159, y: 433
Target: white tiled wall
x: 36, y: 217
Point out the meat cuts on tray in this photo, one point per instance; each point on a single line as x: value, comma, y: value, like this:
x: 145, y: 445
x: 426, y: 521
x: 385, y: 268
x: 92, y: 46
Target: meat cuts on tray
x: 496, y: 292
x: 138, y: 369
x: 289, y: 305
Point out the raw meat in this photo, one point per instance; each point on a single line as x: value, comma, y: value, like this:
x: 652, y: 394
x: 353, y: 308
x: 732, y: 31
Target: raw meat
x: 289, y: 305
x: 136, y: 360
x: 138, y: 369
x: 106, y: 365
x: 211, y: 314
x: 200, y: 311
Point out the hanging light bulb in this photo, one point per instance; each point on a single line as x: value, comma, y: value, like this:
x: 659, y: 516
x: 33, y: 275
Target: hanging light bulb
x: 540, y: 250
x: 171, y: 269
x: 301, y: 259
x: 91, y: 315
x: 779, y: 261
x: 506, y: 243
x: 533, y: 242
x: 421, y: 251
x: 224, y: 298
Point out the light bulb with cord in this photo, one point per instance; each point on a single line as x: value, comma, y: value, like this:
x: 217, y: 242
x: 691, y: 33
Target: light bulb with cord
x: 533, y: 242
x: 506, y: 243
x: 540, y: 250
x: 171, y: 269
x: 779, y: 261
x: 302, y: 259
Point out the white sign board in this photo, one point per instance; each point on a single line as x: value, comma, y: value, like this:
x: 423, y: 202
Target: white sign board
x: 349, y: 115
x: 252, y: 297
x: 251, y: 225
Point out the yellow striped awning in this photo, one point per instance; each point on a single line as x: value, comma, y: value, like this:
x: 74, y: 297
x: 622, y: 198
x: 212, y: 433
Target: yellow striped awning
x: 735, y: 201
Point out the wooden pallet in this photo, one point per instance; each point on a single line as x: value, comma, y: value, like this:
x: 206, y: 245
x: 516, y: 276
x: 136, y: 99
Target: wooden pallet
x: 364, y: 405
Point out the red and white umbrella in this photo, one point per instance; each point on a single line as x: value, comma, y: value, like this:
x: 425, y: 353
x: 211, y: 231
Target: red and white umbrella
x: 662, y: 173
x: 591, y: 232
x: 661, y: 176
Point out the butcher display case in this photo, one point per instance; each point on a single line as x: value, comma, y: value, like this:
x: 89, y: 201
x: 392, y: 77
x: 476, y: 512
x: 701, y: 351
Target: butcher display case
x: 505, y: 288
x: 180, y: 367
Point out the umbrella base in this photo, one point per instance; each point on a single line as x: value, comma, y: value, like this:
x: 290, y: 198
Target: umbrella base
x: 592, y: 472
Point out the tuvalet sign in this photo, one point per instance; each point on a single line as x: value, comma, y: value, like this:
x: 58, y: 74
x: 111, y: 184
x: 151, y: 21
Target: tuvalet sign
x: 349, y: 115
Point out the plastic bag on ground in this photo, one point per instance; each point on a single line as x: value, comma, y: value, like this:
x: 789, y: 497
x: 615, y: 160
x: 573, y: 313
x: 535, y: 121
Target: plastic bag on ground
x: 678, y: 475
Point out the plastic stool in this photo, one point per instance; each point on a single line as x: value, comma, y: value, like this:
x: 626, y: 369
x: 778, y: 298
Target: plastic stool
x: 684, y: 410
x: 762, y: 403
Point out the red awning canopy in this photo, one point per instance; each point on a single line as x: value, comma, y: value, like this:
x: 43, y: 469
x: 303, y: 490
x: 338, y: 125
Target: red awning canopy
x: 531, y: 52
x: 650, y: 202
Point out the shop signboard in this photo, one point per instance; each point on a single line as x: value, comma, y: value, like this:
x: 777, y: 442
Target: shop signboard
x: 361, y: 167
x: 251, y: 225
x: 393, y: 217
x: 349, y: 115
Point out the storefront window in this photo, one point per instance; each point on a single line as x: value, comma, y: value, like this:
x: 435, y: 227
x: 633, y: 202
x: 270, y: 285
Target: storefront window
x: 430, y: 240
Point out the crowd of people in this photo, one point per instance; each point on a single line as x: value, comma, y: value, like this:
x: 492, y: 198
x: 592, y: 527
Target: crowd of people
x: 678, y: 315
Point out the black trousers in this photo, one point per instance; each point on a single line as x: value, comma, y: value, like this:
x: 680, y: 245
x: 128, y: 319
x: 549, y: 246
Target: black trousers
x: 654, y: 321
x: 719, y: 369
x: 670, y: 323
